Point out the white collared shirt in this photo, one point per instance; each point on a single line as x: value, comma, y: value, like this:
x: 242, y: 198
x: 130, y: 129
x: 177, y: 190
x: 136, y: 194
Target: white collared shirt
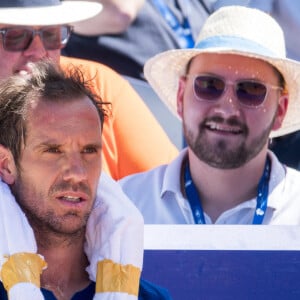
x: 157, y: 194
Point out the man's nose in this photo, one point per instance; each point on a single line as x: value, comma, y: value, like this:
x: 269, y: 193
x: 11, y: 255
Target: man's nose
x: 228, y: 105
x: 74, y: 169
x: 36, y: 49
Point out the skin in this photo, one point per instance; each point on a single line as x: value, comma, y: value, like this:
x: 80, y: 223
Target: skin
x: 15, y: 62
x: 114, y: 131
x: 115, y: 17
x: 227, y: 141
x: 56, y: 187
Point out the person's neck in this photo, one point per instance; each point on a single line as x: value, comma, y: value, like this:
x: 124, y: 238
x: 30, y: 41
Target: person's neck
x: 221, y: 189
x: 66, y: 263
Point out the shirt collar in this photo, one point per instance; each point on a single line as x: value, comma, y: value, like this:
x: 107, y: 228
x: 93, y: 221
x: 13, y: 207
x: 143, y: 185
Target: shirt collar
x: 171, y: 181
x: 277, y: 181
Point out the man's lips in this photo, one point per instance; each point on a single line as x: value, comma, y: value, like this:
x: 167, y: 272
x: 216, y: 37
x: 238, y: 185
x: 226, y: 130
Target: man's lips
x: 24, y: 69
x: 23, y: 72
x: 72, y: 197
x: 223, y: 128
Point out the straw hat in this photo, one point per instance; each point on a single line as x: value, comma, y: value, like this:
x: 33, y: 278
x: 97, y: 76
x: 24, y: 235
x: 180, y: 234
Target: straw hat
x: 234, y: 30
x: 46, y: 12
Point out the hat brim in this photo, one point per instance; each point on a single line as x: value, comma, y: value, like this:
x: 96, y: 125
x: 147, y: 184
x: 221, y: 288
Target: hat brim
x: 65, y: 13
x: 163, y: 71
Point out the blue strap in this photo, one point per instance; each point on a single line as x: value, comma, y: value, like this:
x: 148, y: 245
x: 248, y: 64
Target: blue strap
x: 261, y: 199
x: 182, y: 30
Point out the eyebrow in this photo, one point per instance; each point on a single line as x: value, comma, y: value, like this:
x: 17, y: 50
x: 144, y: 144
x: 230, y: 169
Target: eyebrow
x: 97, y: 145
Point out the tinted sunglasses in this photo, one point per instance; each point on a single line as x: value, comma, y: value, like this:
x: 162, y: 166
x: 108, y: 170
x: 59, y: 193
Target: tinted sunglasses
x: 250, y: 93
x: 19, y: 38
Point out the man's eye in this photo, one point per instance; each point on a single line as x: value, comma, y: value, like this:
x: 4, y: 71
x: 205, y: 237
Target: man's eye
x: 90, y: 150
x: 52, y: 150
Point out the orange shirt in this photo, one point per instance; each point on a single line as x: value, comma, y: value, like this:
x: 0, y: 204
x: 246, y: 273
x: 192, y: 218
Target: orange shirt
x: 133, y: 140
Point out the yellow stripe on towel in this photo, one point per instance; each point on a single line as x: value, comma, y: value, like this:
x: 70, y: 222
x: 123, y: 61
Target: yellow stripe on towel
x: 22, y: 267
x: 114, y: 277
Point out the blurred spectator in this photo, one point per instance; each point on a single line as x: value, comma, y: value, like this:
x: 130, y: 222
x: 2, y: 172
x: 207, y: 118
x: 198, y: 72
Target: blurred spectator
x: 129, y: 32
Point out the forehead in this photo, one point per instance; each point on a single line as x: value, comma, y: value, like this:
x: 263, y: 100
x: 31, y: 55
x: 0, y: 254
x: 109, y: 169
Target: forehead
x: 77, y: 116
x: 231, y: 63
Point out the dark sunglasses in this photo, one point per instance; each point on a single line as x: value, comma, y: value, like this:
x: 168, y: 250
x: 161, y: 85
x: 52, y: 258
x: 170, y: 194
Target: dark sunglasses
x: 250, y: 93
x: 19, y: 38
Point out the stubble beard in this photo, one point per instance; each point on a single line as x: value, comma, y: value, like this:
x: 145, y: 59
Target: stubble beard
x: 49, y: 228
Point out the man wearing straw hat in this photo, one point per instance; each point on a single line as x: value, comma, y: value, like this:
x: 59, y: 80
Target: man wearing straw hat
x: 32, y: 30
x: 233, y: 91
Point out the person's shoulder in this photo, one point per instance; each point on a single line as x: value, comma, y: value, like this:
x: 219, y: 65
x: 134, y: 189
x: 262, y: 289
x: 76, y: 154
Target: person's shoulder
x: 104, y: 80
x: 293, y: 175
x: 95, y: 69
x: 151, y: 291
x: 153, y: 176
x: 156, y: 175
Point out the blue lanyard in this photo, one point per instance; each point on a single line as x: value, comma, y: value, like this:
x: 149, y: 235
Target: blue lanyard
x: 182, y: 30
x: 261, y: 199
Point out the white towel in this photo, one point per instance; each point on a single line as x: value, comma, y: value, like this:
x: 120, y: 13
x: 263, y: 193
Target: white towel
x: 114, y: 233
x: 16, y: 236
x: 16, y: 233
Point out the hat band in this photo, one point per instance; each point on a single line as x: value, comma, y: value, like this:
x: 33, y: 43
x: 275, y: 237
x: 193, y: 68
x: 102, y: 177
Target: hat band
x: 28, y: 3
x: 236, y: 44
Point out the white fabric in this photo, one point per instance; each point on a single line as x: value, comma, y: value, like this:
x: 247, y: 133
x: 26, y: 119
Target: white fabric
x: 286, y: 13
x: 114, y: 296
x: 16, y: 236
x: 158, y: 196
x: 65, y: 13
x: 13, y: 223
x: 25, y: 291
x: 114, y: 231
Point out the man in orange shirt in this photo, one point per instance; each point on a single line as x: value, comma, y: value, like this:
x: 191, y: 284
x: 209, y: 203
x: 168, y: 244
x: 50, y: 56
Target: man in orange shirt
x: 35, y: 30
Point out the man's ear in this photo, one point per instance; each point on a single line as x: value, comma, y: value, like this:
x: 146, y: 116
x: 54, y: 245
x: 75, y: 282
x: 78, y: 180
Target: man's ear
x: 180, y: 94
x: 281, y: 111
x: 8, y: 168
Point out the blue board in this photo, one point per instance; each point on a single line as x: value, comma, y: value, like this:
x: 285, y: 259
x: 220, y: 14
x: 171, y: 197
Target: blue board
x: 239, y: 269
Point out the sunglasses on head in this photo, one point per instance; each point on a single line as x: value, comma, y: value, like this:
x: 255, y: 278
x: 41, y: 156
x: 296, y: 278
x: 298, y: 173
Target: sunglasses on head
x: 19, y: 38
x: 250, y: 93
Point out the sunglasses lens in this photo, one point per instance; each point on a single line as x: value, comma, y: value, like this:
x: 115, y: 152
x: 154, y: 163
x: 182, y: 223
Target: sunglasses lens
x: 208, y: 87
x: 17, y: 39
x: 55, y: 37
x: 251, y: 93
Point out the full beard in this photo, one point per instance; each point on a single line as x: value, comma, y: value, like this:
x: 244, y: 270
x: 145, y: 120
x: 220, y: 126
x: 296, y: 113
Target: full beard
x: 219, y: 154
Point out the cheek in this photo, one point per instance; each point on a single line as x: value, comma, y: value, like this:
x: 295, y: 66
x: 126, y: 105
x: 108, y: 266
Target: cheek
x: 261, y: 118
x: 193, y: 114
x: 8, y: 63
x: 54, y: 55
x: 92, y: 166
x: 95, y: 172
x: 30, y: 188
x: 37, y: 171
x: 194, y: 109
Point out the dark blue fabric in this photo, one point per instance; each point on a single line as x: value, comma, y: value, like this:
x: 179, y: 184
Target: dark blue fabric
x: 147, y: 291
x: 151, y: 291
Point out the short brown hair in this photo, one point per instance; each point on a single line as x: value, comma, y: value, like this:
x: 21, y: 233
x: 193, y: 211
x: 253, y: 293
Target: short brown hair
x: 47, y: 82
